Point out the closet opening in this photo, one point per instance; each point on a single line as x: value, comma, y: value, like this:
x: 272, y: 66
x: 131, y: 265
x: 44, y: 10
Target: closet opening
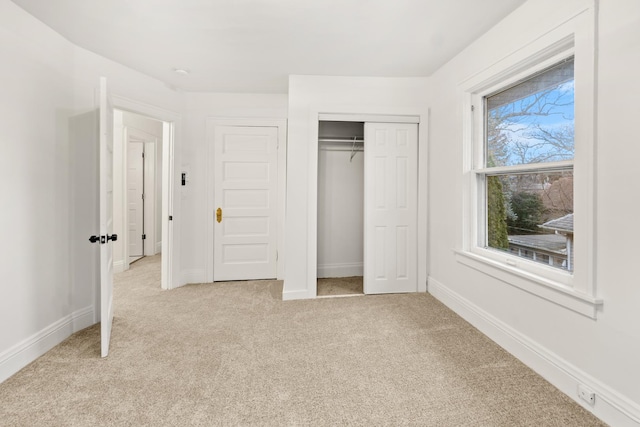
x: 340, y: 252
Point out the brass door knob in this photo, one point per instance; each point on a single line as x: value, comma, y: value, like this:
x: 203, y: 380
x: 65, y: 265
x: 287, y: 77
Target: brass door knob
x: 219, y: 215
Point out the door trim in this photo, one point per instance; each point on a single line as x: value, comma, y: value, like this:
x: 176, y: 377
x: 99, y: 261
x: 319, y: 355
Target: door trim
x: 367, y: 114
x: 281, y: 125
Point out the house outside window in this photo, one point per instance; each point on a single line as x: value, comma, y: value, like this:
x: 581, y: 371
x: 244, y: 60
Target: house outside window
x: 528, y: 166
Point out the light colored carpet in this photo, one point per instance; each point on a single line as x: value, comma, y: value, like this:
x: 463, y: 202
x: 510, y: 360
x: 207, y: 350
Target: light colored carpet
x: 336, y: 286
x: 235, y: 354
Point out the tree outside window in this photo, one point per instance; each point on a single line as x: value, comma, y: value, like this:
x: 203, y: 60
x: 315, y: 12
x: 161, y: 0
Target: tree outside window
x: 529, y: 142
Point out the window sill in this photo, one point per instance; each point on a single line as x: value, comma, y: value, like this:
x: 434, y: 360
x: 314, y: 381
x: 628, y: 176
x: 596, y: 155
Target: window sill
x: 536, y: 285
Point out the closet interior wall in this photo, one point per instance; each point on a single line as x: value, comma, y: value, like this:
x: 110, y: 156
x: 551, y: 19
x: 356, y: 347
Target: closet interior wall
x: 340, y: 199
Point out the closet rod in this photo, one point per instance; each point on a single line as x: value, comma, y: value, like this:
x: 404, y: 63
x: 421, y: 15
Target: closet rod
x: 340, y: 148
x: 349, y: 140
x: 353, y: 149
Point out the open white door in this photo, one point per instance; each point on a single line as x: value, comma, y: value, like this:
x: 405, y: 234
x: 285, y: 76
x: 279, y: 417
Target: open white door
x: 246, y: 198
x: 391, y: 201
x: 106, y: 216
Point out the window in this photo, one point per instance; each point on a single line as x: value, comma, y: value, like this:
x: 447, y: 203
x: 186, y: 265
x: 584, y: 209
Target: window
x: 529, y: 203
x: 527, y: 172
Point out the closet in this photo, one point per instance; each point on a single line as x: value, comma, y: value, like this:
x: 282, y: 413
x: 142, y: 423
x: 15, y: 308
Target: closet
x: 367, y: 207
x: 340, y: 208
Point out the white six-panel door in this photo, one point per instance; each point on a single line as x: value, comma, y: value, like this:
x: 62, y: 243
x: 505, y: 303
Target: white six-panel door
x: 135, y: 201
x: 391, y: 190
x: 246, y: 183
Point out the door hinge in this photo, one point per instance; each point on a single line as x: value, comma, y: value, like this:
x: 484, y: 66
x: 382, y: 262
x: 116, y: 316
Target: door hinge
x: 143, y: 154
x: 170, y: 217
x: 144, y: 237
x: 473, y: 108
x: 142, y: 196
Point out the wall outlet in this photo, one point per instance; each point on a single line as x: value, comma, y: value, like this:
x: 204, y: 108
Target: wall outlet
x: 586, y: 394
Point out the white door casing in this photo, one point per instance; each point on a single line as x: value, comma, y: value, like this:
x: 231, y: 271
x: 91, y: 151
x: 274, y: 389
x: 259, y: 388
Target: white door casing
x: 391, y: 194
x: 105, y: 127
x: 246, y: 192
x: 135, y: 201
x: 151, y: 192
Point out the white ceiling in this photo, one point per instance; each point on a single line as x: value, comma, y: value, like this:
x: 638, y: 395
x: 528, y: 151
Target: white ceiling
x: 253, y: 45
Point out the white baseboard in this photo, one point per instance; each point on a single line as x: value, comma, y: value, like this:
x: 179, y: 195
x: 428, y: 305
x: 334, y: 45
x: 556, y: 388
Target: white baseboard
x: 340, y: 270
x: 118, y: 266
x: 610, y: 406
x: 28, y: 350
x: 293, y: 295
x: 193, y: 276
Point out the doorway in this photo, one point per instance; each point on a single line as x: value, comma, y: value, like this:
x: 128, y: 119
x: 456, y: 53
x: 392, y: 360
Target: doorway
x: 138, y: 190
x: 340, y: 208
x: 144, y: 193
x: 246, y: 186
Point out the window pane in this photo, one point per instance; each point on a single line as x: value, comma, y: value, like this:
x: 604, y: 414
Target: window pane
x: 531, y: 215
x: 533, y: 121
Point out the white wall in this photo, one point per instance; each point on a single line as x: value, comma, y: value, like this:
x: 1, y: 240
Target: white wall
x: 145, y: 124
x: 340, y: 212
x: 309, y: 95
x: 195, y: 160
x: 36, y: 102
x: 47, y: 292
x: 564, y: 346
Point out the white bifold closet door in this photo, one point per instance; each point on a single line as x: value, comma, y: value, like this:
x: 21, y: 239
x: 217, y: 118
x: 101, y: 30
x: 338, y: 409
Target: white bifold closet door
x: 391, y: 195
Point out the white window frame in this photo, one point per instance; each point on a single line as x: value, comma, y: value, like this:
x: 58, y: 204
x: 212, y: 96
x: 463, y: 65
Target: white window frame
x: 479, y: 173
x: 577, y: 290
